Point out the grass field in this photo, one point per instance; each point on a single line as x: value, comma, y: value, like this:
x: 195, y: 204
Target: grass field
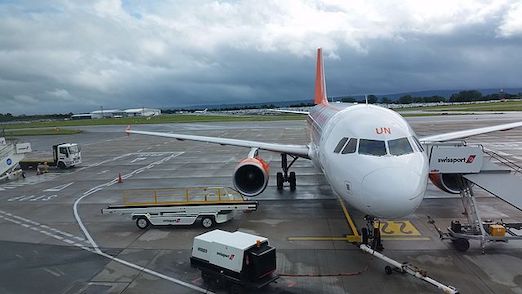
x: 489, y: 106
x: 167, y: 118
x: 49, y: 127
x: 39, y: 132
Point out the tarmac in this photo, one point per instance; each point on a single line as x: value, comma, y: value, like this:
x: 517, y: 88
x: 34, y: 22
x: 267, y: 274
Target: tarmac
x: 49, y: 223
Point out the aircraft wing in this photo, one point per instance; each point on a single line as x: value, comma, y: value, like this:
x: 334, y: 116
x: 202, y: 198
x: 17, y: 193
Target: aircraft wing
x: 290, y: 111
x: 297, y: 150
x: 468, y: 133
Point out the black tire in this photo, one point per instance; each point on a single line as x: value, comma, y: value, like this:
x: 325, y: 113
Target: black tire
x: 364, y: 236
x: 207, y: 222
x: 142, y: 222
x: 388, y: 270
x: 279, y: 180
x: 236, y: 289
x: 61, y: 165
x: 206, y: 277
x: 292, y: 180
x: 461, y: 244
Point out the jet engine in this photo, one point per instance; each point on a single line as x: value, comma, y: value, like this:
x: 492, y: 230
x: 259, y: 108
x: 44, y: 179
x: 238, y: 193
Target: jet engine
x: 251, y: 176
x: 449, y: 183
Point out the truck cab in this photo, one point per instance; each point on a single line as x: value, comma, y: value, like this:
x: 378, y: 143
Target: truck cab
x: 67, y: 155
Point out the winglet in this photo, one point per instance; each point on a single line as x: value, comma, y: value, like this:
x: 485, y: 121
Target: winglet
x: 127, y: 130
x: 320, y: 85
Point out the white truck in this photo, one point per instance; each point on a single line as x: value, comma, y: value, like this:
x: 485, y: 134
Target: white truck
x: 237, y: 261
x: 64, y: 155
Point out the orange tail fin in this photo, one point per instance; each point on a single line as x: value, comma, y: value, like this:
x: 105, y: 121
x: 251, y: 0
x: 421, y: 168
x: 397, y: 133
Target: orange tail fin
x: 320, y: 85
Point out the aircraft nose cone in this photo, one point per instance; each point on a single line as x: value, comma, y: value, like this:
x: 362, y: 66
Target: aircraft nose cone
x: 393, y: 192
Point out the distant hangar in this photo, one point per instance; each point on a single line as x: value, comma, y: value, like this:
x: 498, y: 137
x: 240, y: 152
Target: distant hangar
x: 118, y: 113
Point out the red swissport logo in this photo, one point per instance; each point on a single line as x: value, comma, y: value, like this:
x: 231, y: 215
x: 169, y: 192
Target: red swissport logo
x: 470, y: 159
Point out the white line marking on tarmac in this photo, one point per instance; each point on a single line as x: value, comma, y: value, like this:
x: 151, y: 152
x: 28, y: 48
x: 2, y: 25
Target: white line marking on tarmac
x: 103, y: 162
x: 138, y: 159
x: 108, y: 184
x: 126, y: 263
x: 59, y: 188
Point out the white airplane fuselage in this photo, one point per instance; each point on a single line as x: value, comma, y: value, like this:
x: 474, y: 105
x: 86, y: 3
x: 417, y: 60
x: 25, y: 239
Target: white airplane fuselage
x: 377, y: 173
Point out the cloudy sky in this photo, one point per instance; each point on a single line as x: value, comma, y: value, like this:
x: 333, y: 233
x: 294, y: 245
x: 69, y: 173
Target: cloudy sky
x: 74, y: 56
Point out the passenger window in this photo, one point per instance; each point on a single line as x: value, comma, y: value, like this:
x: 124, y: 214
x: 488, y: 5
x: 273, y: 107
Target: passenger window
x: 400, y: 146
x: 340, y: 145
x: 372, y: 147
x: 419, y: 145
x: 350, y: 147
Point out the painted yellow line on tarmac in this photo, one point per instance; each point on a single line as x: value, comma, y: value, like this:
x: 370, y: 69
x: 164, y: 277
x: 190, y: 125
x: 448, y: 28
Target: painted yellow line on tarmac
x: 405, y: 238
x: 348, y: 218
x: 352, y: 238
x: 326, y: 238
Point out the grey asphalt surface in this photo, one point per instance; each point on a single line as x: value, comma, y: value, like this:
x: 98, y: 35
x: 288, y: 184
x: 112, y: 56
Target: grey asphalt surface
x: 43, y: 248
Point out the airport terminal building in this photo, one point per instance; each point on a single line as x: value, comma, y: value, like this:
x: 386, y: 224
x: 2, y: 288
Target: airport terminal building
x: 118, y: 113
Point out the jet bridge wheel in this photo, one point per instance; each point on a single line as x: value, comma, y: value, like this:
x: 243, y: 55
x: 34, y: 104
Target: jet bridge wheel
x: 461, y: 244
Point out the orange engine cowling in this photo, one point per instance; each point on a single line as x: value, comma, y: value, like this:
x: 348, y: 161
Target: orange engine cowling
x: 251, y: 176
x: 449, y: 183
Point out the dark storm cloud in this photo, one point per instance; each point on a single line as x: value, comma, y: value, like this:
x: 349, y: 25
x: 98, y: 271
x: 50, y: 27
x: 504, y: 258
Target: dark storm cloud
x: 77, y: 56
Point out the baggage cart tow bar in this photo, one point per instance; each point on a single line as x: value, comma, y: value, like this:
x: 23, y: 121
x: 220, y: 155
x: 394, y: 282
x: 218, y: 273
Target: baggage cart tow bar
x: 407, y: 268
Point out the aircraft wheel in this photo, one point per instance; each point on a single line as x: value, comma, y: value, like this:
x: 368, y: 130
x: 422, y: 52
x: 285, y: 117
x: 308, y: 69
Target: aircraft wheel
x: 388, y: 270
x: 364, y: 235
x: 279, y: 180
x: 292, y: 181
x: 461, y: 244
x: 142, y: 222
x: 207, y: 222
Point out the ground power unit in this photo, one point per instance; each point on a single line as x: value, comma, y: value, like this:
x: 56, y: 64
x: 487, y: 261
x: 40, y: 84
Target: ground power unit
x: 237, y: 261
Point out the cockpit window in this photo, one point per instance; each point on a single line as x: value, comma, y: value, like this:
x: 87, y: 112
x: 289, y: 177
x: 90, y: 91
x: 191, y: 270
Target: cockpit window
x: 419, y: 145
x: 340, y: 145
x: 372, y: 147
x: 350, y: 147
x: 400, y: 146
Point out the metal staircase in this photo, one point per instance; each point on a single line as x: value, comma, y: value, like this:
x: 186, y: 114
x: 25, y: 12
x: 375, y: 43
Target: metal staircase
x: 9, y: 159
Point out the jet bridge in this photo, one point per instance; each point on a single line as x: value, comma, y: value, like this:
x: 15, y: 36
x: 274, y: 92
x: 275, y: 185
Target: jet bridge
x: 455, y: 167
x: 10, y: 155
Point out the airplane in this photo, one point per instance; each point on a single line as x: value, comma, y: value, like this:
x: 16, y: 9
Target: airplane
x: 369, y: 155
x: 204, y: 111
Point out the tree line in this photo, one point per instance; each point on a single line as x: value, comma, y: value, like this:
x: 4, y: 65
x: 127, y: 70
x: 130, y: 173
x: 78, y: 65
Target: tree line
x: 462, y: 96
x: 7, y: 117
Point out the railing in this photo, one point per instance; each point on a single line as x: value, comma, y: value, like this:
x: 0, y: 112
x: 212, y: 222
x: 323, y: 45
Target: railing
x: 504, y: 160
x: 5, y: 150
x: 191, y: 195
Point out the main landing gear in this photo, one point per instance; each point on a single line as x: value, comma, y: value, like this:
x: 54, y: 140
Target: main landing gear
x: 371, y: 234
x: 283, y: 177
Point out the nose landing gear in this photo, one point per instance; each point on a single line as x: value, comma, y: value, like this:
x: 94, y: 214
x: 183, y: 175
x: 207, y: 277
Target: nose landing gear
x: 371, y: 234
x: 284, y: 176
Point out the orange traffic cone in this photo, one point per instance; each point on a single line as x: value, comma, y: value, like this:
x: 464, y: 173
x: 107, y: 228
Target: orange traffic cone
x: 120, y: 180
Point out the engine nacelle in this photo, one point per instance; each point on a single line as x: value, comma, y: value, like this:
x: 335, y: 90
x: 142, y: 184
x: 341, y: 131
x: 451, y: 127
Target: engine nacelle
x: 449, y: 183
x: 251, y: 176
